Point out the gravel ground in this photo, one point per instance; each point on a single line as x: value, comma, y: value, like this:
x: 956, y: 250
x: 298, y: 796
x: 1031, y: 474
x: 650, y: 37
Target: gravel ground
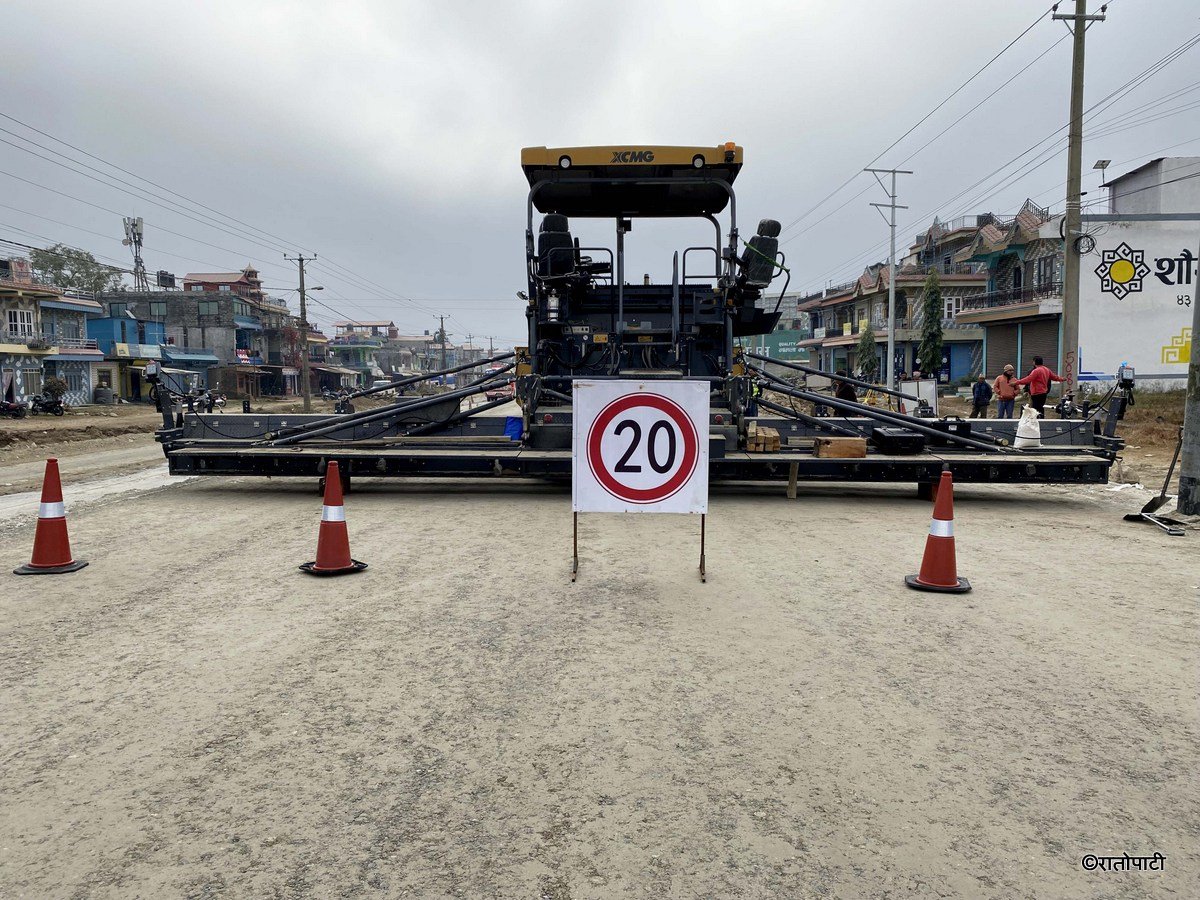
x: 190, y: 716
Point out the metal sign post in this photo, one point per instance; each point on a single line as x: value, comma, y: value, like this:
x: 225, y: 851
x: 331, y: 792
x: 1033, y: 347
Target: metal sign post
x: 639, y: 447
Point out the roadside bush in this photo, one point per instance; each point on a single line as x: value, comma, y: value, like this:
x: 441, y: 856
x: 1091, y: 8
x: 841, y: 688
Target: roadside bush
x: 54, y: 387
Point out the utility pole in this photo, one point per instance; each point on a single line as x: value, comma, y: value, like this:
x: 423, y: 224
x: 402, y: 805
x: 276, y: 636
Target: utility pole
x: 891, y: 220
x: 305, y: 387
x: 1078, y: 24
x: 442, y: 332
x: 1188, y: 501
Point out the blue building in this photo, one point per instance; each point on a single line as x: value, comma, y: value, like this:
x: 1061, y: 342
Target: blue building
x: 128, y: 343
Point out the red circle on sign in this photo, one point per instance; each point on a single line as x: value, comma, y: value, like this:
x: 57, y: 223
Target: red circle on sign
x: 669, y: 487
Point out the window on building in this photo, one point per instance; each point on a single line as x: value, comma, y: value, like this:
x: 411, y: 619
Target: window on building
x: 947, y: 264
x: 74, y: 380
x: 224, y: 288
x: 197, y: 288
x: 20, y: 321
x: 158, y: 309
x: 241, y: 308
x: 33, y: 381
x: 951, y: 307
x: 207, y: 307
x: 1045, y: 273
x: 118, y: 309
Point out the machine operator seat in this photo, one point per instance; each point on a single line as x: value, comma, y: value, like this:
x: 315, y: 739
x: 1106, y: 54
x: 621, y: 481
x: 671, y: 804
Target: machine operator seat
x: 758, y: 259
x: 556, y: 250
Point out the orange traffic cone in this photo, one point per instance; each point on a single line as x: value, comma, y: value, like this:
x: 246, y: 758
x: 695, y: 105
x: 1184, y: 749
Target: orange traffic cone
x: 51, y: 546
x: 938, y: 567
x: 333, y: 542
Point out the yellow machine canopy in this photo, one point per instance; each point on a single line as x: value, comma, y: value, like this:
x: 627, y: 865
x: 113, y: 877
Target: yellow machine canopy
x: 631, y: 180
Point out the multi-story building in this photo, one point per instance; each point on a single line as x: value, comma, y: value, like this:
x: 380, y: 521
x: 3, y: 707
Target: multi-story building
x: 839, y: 316
x: 23, y: 348
x: 1021, y: 310
x: 75, y: 357
x: 129, y: 344
x: 355, y: 345
x: 405, y: 353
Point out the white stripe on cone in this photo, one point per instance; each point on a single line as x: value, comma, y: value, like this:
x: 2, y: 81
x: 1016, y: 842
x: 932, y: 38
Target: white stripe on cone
x: 333, y: 514
x: 941, y: 528
x: 52, y: 510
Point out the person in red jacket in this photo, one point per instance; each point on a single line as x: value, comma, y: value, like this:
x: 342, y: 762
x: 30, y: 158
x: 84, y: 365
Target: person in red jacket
x: 1039, y: 385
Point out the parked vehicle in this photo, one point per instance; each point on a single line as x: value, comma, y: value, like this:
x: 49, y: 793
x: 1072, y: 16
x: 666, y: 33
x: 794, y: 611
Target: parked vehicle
x: 504, y: 392
x: 12, y: 410
x: 211, y: 400
x: 49, y: 405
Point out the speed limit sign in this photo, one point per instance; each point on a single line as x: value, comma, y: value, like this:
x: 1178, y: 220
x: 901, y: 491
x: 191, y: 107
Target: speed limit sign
x: 640, y: 446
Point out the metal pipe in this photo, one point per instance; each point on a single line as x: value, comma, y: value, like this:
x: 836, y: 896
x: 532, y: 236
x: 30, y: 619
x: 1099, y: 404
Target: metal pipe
x: 404, y: 382
x: 454, y: 419
x: 384, y: 413
x: 846, y: 378
x: 887, y: 418
x: 901, y: 419
x: 812, y: 421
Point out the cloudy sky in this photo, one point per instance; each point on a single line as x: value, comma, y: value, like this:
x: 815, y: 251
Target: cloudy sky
x: 385, y: 135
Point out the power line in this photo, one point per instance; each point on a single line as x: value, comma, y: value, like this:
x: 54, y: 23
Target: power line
x: 1025, y: 168
x: 919, y: 122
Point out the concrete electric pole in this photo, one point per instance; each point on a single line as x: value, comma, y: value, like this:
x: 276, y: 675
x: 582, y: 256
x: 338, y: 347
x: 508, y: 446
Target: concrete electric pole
x: 305, y: 387
x: 891, y: 220
x: 442, y: 332
x: 1078, y: 24
x: 1188, y: 501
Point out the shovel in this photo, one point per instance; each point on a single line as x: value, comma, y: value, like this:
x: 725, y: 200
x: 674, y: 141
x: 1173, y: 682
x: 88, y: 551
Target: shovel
x: 1157, y: 503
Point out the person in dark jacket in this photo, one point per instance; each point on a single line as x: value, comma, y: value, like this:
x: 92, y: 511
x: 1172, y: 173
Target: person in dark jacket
x: 843, y: 390
x: 981, y: 394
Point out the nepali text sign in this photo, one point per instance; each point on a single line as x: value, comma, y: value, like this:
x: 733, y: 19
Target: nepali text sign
x: 1135, y: 298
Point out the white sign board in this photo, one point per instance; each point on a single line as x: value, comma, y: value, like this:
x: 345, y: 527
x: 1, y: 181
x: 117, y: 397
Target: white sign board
x: 1136, y: 291
x: 640, y: 446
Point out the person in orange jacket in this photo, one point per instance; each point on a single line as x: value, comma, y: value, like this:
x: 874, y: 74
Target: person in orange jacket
x: 1038, y: 381
x: 1005, y: 387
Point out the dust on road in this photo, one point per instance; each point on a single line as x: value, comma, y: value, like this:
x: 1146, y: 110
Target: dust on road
x: 191, y: 716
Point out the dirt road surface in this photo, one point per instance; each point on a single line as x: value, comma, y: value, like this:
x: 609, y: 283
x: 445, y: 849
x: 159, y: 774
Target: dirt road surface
x: 190, y: 716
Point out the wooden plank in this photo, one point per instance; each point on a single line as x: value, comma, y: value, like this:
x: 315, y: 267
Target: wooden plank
x: 841, y: 448
x: 793, y: 476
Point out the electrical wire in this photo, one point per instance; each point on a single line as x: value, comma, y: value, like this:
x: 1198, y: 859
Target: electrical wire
x: 919, y: 122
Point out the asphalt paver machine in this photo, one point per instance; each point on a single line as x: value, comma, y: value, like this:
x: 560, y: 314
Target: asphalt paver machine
x: 586, y: 319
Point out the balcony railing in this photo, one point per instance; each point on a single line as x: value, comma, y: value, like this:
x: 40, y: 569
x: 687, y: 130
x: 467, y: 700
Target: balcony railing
x: 1046, y: 291
x: 356, y: 340
x: 30, y: 339
x: 72, y: 343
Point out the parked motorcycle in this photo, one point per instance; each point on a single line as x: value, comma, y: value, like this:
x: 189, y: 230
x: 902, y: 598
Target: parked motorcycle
x: 13, y: 410
x: 49, y: 405
x: 208, y: 401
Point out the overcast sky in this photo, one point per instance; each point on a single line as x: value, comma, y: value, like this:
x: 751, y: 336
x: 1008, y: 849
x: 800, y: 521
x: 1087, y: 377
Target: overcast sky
x: 386, y: 135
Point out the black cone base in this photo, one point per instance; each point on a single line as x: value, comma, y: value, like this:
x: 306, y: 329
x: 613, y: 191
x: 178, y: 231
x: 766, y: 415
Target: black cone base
x: 73, y: 566
x: 915, y: 582
x: 355, y: 566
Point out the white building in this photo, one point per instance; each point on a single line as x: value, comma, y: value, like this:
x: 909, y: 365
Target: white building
x: 1138, y: 281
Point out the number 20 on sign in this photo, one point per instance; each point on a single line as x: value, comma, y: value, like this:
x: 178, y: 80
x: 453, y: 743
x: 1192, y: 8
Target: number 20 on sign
x: 640, y: 446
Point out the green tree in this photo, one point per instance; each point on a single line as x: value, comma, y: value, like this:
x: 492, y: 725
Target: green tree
x: 929, y: 353
x: 868, y: 362
x: 67, y: 267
